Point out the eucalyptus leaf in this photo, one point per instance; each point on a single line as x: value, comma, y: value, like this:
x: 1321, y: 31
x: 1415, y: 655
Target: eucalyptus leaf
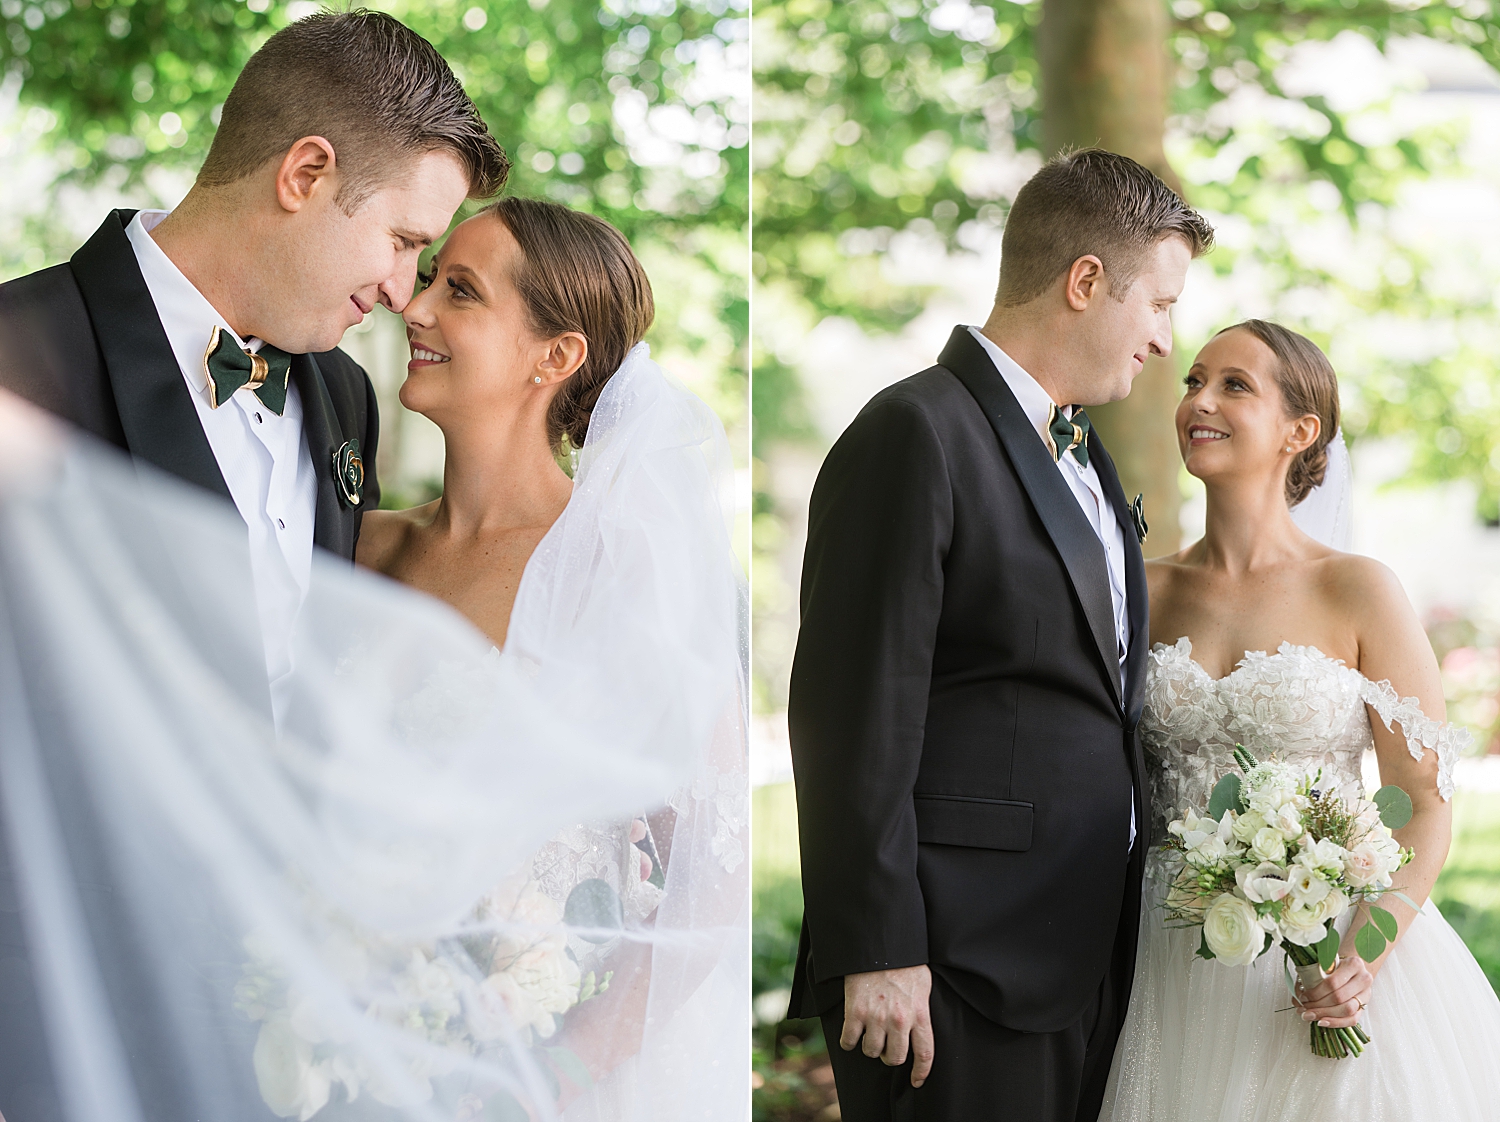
x: 1226, y: 797
x: 1385, y: 921
x: 1328, y: 950
x: 1394, y: 805
x: 1204, y: 950
x: 571, y: 1066
x: 502, y: 1106
x: 1407, y: 900
x: 593, y: 903
x: 1370, y: 943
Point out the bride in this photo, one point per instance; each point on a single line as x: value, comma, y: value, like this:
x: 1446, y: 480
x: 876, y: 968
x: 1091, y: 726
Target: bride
x: 1264, y: 636
x: 489, y: 867
x: 528, y: 313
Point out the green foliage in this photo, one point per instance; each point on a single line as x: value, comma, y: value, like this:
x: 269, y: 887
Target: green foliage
x: 1394, y: 805
x: 620, y: 108
x: 1226, y: 797
x: 1468, y: 891
x: 1328, y: 950
x: 873, y: 118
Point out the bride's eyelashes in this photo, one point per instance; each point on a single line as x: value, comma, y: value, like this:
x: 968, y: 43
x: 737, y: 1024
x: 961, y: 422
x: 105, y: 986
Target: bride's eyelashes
x: 458, y: 291
x: 426, y: 279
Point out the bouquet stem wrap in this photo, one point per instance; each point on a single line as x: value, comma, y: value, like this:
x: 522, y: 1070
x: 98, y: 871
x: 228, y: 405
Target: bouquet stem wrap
x: 1335, y: 1043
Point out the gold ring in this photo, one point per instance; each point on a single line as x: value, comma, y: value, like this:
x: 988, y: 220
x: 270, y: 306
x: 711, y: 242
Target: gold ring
x: 1361, y: 1006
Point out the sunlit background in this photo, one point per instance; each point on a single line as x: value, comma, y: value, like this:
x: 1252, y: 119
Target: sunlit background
x: 635, y: 110
x: 1349, y: 157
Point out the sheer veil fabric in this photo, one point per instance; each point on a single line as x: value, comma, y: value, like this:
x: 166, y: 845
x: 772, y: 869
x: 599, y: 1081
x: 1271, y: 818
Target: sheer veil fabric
x: 339, y: 919
x: 1327, y: 513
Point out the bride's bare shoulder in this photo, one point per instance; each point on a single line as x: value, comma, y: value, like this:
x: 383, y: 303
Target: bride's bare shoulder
x: 383, y: 534
x: 1365, y: 590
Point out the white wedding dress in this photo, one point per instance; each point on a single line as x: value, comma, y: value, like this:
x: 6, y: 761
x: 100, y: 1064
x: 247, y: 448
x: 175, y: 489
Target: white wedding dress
x: 1205, y: 1042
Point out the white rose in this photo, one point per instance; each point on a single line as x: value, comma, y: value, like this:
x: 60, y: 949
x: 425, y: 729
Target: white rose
x: 1331, y: 906
x: 1302, y: 926
x: 291, y: 1084
x: 1247, y: 825
x: 1306, y: 885
x: 1208, y: 852
x: 1364, y: 866
x: 1232, y: 930
x: 1262, y: 883
x: 1268, y: 845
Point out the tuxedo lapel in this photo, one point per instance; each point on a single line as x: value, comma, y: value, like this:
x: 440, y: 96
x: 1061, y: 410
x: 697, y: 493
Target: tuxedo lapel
x: 334, y: 525
x: 1136, y: 599
x: 1075, y: 540
x: 155, y: 405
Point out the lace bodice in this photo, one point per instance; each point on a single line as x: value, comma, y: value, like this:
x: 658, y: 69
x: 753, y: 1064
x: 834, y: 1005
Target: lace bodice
x: 1297, y: 704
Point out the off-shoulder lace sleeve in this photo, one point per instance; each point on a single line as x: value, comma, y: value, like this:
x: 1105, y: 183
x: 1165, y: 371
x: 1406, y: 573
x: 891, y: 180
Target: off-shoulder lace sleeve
x: 1448, y: 740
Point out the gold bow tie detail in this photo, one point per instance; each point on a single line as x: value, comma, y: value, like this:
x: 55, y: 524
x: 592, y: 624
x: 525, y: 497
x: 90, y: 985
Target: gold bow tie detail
x: 1064, y: 435
x: 229, y: 367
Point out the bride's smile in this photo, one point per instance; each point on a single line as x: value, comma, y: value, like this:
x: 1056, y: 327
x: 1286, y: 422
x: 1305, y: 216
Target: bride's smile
x: 1232, y: 419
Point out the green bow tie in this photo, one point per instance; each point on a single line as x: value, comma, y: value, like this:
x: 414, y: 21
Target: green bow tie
x: 230, y: 368
x: 1068, y: 436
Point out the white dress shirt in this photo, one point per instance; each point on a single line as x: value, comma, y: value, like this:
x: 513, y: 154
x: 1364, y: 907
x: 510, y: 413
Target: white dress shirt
x: 263, y: 457
x: 1084, y: 483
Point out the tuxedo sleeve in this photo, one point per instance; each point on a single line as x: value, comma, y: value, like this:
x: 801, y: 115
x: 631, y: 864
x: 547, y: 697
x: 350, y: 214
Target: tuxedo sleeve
x: 879, y: 524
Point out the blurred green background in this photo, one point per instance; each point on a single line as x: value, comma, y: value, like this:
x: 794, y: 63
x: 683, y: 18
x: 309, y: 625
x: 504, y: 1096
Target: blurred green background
x: 635, y: 110
x: 1348, y: 153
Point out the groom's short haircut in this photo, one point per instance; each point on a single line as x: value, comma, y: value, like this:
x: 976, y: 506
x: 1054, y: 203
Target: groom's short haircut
x: 1091, y: 202
x: 369, y: 85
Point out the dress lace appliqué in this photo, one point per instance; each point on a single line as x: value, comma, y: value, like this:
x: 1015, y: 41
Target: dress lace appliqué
x: 1298, y: 703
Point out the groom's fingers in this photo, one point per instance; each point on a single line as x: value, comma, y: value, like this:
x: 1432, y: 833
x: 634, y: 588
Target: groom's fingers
x: 875, y: 1040
x: 853, y: 1029
x: 922, y: 1050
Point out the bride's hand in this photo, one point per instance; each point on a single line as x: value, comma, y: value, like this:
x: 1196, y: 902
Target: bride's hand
x: 1339, y: 999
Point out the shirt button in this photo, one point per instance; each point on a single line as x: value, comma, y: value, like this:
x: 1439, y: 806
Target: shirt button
x: 280, y: 523
x: 259, y: 420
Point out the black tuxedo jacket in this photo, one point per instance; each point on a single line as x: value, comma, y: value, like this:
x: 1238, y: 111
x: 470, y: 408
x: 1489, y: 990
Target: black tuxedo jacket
x: 965, y: 761
x: 83, y: 341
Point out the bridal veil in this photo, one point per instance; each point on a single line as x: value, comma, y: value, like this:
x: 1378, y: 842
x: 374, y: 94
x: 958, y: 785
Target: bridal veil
x: 203, y: 916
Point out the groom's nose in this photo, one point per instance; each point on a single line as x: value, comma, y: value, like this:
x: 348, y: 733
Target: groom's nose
x: 395, y: 290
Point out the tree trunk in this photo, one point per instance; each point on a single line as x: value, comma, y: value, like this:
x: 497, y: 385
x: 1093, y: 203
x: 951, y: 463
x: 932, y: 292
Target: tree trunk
x: 1105, y: 76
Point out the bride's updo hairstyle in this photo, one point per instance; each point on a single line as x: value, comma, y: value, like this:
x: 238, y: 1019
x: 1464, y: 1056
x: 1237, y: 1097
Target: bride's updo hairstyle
x: 1308, y: 385
x: 577, y: 273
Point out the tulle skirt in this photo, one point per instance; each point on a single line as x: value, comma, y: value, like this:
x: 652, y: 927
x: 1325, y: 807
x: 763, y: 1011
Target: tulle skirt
x: 1205, y: 1042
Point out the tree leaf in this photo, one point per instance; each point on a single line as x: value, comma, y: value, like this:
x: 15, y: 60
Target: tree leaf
x: 1385, y: 921
x: 1370, y: 943
x: 1226, y: 796
x: 1394, y: 805
x: 1328, y: 950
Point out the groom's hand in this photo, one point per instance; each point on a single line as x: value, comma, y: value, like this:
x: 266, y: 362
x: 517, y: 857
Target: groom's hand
x: 888, y: 1008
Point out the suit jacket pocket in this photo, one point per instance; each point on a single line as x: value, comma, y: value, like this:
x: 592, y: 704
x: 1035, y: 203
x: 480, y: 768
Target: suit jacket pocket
x: 977, y: 823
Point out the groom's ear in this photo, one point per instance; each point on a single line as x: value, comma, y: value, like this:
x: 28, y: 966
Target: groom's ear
x: 308, y: 167
x: 565, y: 354
x: 1083, y: 282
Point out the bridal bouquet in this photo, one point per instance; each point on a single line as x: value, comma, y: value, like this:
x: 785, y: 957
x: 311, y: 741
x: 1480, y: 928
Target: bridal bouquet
x: 1277, y: 859
x: 458, y: 998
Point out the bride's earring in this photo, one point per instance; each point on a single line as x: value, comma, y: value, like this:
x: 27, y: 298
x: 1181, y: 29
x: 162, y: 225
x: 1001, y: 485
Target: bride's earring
x: 538, y: 381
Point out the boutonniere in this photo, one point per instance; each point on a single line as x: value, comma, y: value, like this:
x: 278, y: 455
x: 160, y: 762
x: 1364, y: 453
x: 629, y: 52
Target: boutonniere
x: 1138, y: 514
x: 349, y: 473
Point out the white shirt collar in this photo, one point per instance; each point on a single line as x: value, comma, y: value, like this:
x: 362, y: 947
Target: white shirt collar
x: 1035, y: 402
x: 185, y: 313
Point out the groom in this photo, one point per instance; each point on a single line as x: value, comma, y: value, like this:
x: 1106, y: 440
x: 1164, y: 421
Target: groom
x: 203, y: 340
x: 968, y: 680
